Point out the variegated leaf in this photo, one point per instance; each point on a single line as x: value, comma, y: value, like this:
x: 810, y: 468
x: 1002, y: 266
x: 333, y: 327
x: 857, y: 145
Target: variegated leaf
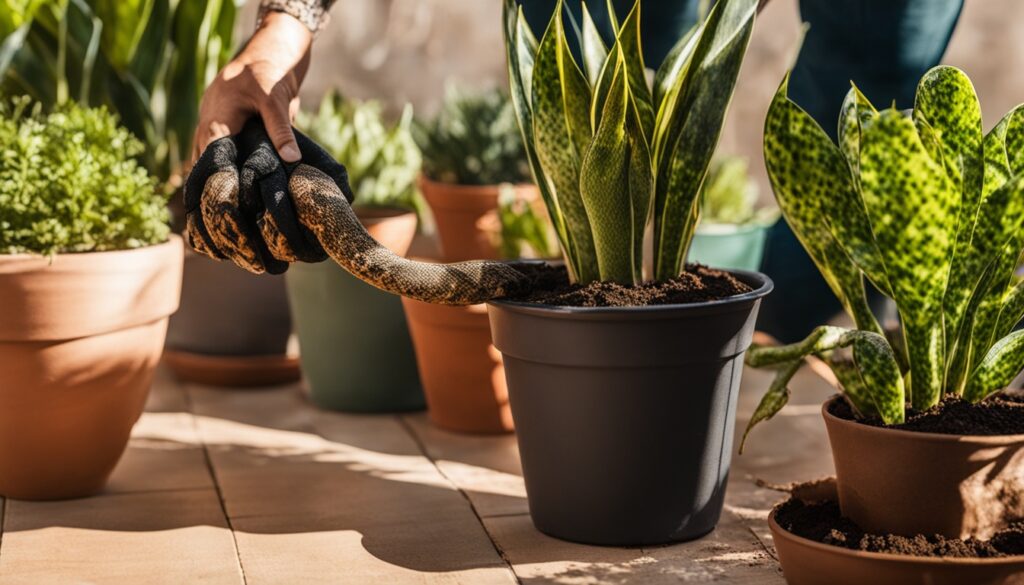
x: 913, y: 209
x: 686, y: 136
x: 998, y: 368
x: 673, y: 66
x: 628, y: 41
x: 773, y: 400
x: 595, y: 53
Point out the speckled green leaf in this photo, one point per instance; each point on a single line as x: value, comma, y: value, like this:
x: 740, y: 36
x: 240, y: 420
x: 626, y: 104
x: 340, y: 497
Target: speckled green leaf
x: 692, y: 114
x: 1011, y: 310
x: 807, y: 172
x: 855, y: 111
x: 641, y: 187
x: 561, y: 126
x: 521, y: 49
x: 913, y: 209
x: 628, y: 41
x: 673, y: 66
x: 998, y: 368
x: 595, y: 53
x: 774, y: 399
x: 1015, y: 141
x: 604, y: 180
x: 997, y: 165
x: 852, y: 385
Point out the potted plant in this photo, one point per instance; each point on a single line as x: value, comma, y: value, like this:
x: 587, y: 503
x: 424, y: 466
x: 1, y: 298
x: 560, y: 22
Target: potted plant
x: 623, y: 382
x: 88, y: 278
x: 354, y: 343
x: 929, y: 210
x: 473, y: 164
x: 732, y: 230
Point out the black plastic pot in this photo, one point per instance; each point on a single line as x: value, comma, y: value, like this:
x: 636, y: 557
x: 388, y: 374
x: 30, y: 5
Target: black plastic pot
x: 625, y: 416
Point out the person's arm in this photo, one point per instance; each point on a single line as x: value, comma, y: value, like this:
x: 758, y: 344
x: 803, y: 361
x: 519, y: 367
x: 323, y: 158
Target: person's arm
x: 264, y: 78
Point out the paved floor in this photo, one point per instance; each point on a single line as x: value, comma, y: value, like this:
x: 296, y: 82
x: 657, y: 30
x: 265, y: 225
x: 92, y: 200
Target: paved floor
x: 255, y: 486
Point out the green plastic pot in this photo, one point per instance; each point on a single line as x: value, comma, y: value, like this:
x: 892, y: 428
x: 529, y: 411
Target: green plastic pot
x: 729, y: 246
x: 354, y: 343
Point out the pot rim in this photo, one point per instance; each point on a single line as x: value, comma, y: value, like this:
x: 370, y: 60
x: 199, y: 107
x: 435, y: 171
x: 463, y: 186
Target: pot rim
x: 985, y: 440
x: 172, y: 240
x: 761, y: 283
x: 777, y: 531
x: 470, y: 190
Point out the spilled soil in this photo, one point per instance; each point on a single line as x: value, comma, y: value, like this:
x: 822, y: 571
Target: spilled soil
x: 1002, y: 414
x: 822, y: 522
x: 697, y: 284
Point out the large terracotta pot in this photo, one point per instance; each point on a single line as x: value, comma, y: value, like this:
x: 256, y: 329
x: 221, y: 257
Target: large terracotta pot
x: 805, y: 562
x: 461, y: 214
x: 903, y: 482
x: 354, y: 343
x: 79, y: 340
x: 232, y: 329
x: 462, y: 373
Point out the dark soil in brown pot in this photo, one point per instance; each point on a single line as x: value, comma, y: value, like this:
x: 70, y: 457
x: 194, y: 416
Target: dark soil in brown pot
x: 1002, y: 414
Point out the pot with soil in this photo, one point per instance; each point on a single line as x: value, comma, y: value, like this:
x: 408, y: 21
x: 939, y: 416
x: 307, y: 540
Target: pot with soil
x: 475, y: 179
x: 924, y: 439
x: 232, y: 329
x: 354, y: 343
x: 86, y: 300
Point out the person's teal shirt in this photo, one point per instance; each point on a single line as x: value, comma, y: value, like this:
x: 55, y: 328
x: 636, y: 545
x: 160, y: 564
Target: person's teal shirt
x: 884, y: 46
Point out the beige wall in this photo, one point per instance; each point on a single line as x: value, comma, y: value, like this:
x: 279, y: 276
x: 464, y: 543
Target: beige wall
x: 404, y: 50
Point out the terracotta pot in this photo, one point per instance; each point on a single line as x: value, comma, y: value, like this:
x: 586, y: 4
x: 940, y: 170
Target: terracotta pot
x: 909, y: 483
x: 354, y: 342
x: 79, y: 340
x: 805, y: 562
x: 461, y: 215
x: 625, y: 415
x: 462, y: 373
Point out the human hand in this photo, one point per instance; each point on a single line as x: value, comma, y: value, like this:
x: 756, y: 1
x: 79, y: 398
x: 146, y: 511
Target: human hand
x: 262, y: 80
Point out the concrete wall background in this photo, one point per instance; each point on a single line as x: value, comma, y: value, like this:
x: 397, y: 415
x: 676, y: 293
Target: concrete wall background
x: 405, y: 50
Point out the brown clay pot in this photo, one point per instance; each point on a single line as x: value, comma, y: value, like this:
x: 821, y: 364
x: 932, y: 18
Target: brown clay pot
x: 79, y: 340
x: 461, y: 214
x: 461, y: 371
x: 903, y: 482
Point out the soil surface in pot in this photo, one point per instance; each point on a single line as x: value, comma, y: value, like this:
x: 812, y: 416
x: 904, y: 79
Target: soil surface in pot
x: 822, y: 522
x: 1002, y: 414
x: 697, y: 284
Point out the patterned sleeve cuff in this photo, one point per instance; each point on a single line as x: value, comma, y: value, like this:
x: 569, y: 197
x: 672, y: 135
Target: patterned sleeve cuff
x: 312, y: 13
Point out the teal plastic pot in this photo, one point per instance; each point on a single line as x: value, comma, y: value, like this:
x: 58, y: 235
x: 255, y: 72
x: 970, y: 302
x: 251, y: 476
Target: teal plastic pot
x: 729, y: 246
x: 354, y: 343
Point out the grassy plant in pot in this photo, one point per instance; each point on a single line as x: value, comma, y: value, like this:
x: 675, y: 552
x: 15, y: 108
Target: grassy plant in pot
x: 930, y: 211
x: 732, y: 230
x: 624, y: 414
x: 472, y: 157
x: 355, y: 348
x: 88, y: 278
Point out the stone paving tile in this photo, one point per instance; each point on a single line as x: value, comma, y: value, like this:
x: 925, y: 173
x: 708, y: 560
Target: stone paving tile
x: 171, y: 537
x: 325, y: 497
x: 485, y: 468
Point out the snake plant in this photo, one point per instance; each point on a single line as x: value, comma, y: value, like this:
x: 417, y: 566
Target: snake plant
x: 614, y: 156
x: 929, y: 210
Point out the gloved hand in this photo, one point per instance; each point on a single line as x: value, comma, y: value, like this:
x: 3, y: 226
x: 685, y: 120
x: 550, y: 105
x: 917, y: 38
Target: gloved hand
x: 238, y: 207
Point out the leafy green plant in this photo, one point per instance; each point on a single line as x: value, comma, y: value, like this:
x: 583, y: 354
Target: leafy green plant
x: 525, y: 231
x: 613, y: 155
x: 729, y: 195
x: 70, y: 182
x: 473, y: 140
x: 931, y: 212
x: 382, y: 160
x: 147, y: 60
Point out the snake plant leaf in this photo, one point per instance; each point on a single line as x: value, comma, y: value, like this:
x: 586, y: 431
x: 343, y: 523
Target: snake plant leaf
x: 604, y: 177
x: 561, y: 126
x: 773, y: 400
x: 595, y: 53
x: 641, y: 187
x: 998, y: 368
x: 613, y: 17
x: 853, y: 387
x: 125, y: 22
x: 520, y: 50
x: 807, y: 172
x: 1015, y: 141
x: 1011, y: 311
x: 693, y: 114
x: 913, y: 207
x: 997, y: 162
x: 856, y: 111
x: 629, y: 44
x: 673, y: 66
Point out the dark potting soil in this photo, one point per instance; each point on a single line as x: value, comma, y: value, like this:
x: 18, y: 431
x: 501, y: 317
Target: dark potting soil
x: 697, y: 284
x: 822, y: 522
x: 1002, y: 414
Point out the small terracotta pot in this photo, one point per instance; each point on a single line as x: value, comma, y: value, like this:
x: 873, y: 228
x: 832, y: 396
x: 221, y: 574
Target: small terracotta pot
x: 354, y: 342
x: 461, y: 214
x: 462, y: 373
x: 79, y: 340
x: 908, y: 483
x: 805, y: 562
